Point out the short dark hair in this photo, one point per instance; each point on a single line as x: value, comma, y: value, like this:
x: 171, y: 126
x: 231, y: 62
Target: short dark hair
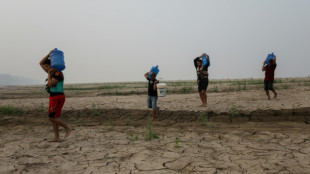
x: 47, y: 62
x: 199, y: 60
x: 270, y: 61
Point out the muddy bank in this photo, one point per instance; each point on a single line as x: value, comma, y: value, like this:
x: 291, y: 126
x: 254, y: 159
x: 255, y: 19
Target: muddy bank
x: 127, y: 117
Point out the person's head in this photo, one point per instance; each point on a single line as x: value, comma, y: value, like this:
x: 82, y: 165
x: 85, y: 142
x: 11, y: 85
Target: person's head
x: 199, y: 62
x: 153, y: 75
x: 47, y: 63
x: 270, y: 62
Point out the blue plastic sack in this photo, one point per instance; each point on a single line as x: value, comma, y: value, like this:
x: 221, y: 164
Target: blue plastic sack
x: 270, y: 56
x: 153, y: 69
x: 57, y: 60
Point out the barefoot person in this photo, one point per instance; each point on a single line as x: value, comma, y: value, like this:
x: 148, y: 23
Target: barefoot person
x: 202, y: 79
x: 54, y: 87
x: 152, y: 94
x: 269, y: 76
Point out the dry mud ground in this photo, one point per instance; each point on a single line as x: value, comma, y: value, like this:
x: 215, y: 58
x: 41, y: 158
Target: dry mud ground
x: 109, y: 135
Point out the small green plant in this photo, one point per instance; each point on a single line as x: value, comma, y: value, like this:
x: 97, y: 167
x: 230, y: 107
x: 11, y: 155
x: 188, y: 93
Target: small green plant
x: 203, y: 119
x: 131, y: 138
x: 77, y: 121
x: 127, y: 120
x: 109, y: 124
x: 149, y: 134
x: 233, y: 111
x: 185, y: 90
x: 215, y: 89
x: 244, y: 86
x: 212, y: 127
x: 41, y: 107
x: 137, y: 137
x: 95, y: 111
x: 10, y: 110
x: 285, y: 86
x: 176, y: 143
x: 239, y: 88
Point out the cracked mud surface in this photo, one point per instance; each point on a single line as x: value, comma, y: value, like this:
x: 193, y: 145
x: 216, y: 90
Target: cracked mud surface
x: 97, y: 147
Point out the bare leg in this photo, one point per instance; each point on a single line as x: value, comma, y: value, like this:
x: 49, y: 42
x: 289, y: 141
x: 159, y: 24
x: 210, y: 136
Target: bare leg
x: 204, y: 96
x: 275, y: 94
x: 201, y: 98
x: 56, y: 131
x: 64, y: 125
x: 157, y: 111
x: 153, y: 113
x: 267, y: 93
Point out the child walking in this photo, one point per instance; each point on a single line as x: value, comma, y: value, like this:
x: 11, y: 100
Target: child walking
x: 55, y: 81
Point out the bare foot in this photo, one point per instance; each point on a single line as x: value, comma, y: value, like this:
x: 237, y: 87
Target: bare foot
x: 202, y: 105
x: 275, y: 96
x: 68, y: 133
x: 55, y: 140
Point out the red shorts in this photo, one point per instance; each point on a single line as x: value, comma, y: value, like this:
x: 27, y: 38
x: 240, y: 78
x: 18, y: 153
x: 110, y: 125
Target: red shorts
x: 55, y: 105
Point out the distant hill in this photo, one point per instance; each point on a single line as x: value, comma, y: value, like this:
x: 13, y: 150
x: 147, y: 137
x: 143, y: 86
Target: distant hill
x: 7, y: 79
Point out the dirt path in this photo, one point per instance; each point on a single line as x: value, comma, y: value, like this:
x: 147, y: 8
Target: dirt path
x: 245, y: 101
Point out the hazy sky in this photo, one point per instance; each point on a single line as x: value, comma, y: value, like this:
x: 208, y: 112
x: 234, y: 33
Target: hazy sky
x: 119, y: 40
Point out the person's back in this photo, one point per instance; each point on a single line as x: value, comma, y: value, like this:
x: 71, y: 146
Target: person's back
x: 269, y: 76
x: 269, y: 72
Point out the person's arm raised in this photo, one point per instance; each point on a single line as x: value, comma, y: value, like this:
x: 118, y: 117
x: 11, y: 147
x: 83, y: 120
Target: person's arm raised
x: 146, y: 75
x: 264, y: 67
x: 195, y: 62
x: 43, y: 66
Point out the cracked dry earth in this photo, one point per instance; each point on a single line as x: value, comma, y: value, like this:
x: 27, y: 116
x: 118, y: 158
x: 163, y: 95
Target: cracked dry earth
x: 248, y: 147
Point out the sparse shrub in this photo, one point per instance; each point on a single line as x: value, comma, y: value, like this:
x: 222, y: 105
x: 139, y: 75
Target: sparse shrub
x: 176, y: 143
x: 41, y: 107
x: 10, y: 110
x: 203, y: 119
x: 233, y: 111
x: 95, y: 111
x: 185, y: 90
x: 244, y: 86
x: 215, y: 89
x: 149, y: 134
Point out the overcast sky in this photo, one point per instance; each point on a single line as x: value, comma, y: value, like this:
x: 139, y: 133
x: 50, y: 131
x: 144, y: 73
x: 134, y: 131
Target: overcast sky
x: 119, y: 40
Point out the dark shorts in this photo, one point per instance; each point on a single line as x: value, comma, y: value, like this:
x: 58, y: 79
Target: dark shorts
x: 202, y: 84
x: 268, y: 85
x: 55, y: 105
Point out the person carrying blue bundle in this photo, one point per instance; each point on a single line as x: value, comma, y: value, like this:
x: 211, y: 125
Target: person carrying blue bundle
x: 269, y: 75
x: 202, y: 77
x: 54, y: 86
x: 152, y: 93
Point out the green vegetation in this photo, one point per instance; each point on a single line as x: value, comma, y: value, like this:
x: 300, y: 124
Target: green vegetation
x: 149, y: 134
x: 176, y: 143
x: 41, y: 107
x: 10, y: 110
x: 95, y: 111
x: 244, y: 86
x: 233, y: 111
x: 285, y: 86
x: 215, y: 89
x: 203, y: 119
x: 185, y: 90
x: 109, y: 124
